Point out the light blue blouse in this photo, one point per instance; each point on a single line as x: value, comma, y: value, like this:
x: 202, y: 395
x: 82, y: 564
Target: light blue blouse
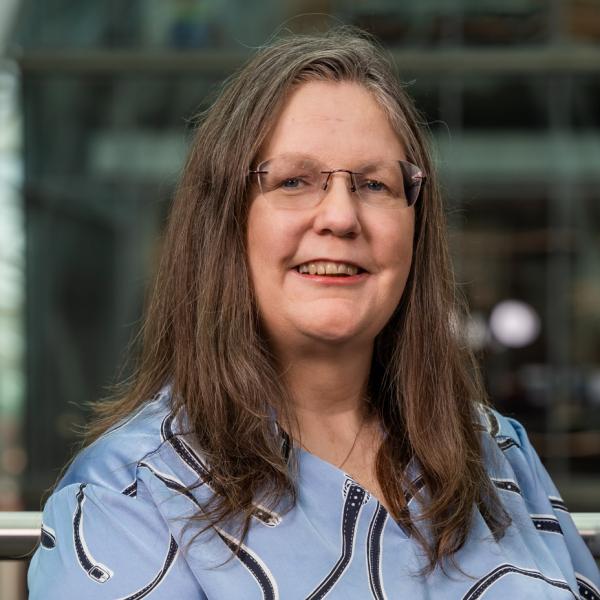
x: 114, y: 528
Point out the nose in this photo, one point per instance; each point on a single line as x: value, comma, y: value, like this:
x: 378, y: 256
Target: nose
x: 338, y: 211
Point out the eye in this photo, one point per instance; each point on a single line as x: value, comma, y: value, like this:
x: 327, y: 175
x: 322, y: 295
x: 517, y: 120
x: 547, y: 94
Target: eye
x: 374, y: 186
x: 291, y: 184
x: 294, y: 183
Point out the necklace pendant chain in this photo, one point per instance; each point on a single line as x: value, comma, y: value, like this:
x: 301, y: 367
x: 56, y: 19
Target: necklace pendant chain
x: 354, y: 442
x: 362, y: 424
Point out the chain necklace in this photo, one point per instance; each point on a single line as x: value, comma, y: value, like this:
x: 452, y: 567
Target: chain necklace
x: 354, y: 442
x: 362, y: 424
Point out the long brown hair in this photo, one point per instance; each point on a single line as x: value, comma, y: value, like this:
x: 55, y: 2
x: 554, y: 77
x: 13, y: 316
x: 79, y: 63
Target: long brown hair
x: 202, y: 331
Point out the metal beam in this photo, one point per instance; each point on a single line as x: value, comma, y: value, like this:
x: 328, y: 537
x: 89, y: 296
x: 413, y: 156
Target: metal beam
x: 20, y: 532
x: 548, y: 59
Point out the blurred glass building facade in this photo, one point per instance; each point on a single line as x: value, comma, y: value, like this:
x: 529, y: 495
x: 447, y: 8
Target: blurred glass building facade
x: 96, y: 105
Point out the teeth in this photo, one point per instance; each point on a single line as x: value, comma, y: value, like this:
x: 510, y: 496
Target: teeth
x: 328, y: 268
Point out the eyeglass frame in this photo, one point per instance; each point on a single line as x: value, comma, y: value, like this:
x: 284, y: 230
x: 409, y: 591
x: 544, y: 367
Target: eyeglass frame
x: 353, y: 189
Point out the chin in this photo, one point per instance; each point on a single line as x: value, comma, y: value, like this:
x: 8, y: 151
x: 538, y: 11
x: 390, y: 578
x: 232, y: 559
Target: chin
x: 337, y: 330
x: 332, y: 338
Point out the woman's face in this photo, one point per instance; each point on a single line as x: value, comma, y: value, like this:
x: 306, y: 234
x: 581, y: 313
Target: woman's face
x: 342, y: 126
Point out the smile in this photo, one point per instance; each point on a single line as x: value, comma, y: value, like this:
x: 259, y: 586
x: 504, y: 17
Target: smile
x: 329, y: 268
x: 331, y: 273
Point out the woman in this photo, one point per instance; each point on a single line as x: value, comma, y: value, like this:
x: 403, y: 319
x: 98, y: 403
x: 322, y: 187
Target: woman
x: 305, y: 421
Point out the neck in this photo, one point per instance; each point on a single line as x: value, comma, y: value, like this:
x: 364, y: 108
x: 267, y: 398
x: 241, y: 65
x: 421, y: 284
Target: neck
x: 329, y: 390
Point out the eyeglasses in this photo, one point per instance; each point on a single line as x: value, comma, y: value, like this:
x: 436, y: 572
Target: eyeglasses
x: 298, y: 181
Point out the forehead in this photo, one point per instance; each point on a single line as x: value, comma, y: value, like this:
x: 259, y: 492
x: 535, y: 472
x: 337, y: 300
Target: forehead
x: 339, y: 121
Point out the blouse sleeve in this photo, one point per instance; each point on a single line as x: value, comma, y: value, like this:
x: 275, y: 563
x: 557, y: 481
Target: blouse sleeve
x: 99, y: 543
x: 541, y: 488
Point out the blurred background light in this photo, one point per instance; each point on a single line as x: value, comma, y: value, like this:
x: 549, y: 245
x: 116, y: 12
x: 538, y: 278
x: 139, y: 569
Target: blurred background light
x: 514, y: 323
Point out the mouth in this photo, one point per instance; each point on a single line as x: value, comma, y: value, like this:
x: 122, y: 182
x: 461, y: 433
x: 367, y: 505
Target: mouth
x: 328, y: 268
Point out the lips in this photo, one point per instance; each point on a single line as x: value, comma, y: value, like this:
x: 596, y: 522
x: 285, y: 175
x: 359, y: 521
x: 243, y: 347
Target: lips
x: 324, y: 261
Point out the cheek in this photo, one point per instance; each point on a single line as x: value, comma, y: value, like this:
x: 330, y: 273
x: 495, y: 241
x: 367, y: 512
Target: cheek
x: 270, y: 245
x: 399, y: 256
x: 258, y: 236
x: 395, y: 246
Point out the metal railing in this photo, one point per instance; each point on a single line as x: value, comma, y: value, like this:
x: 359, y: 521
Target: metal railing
x: 20, y: 533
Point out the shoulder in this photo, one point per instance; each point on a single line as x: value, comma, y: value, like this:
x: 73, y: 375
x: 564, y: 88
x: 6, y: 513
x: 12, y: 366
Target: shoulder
x: 154, y: 448
x: 510, y: 456
x: 504, y: 430
x: 526, y: 487
x: 148, y: 457
x: 111, y: 461
x: 516, y: 451
x: 102, y: 531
